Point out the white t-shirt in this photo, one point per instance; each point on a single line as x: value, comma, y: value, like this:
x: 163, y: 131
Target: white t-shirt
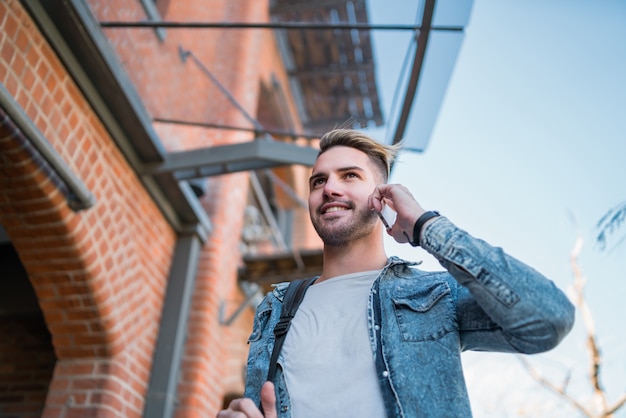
x: 327, y: 357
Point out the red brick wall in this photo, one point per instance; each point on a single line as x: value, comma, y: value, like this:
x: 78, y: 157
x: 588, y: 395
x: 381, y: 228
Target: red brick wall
x: 215, y: 355
x: 99, y: 274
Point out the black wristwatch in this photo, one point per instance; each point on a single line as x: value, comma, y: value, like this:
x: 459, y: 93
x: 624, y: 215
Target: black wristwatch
x: 419, y: 224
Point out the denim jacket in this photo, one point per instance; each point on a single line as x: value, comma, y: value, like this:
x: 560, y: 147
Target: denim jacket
x: 420, y: 322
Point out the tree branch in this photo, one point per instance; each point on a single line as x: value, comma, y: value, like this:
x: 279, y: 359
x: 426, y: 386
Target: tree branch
x: 595, y: 358
x: 618, y: 404
x: 610, y: 223
x: 561, y: 391
x: 599, y: 396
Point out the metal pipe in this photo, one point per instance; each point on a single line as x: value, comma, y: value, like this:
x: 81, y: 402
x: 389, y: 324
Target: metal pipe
x: 258, y: 132
x: 271, y: 25
x: 78, y: 196
x: 186, y: 53
x: 254, y: 296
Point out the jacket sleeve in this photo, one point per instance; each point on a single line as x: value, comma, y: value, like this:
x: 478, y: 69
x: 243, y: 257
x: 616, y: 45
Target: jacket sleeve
x: 256, y: 369
x: 502, y: 304
x: 261, y: 341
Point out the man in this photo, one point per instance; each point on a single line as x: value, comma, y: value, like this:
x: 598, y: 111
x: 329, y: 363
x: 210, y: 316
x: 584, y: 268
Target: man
x: 376, y: 337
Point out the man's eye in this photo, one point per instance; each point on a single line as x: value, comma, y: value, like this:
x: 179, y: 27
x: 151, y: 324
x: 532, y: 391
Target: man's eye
x: 318, y: 182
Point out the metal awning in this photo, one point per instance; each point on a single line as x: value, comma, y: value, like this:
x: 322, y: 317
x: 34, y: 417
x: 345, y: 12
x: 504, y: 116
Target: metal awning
x: 435, y: 54
x: 328, y: 53
x: 281, y: 267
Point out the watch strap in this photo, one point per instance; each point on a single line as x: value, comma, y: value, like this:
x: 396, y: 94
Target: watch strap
x: 419, y: 224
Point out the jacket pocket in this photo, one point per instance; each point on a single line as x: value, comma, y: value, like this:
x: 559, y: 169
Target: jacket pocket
x: 426, y: 313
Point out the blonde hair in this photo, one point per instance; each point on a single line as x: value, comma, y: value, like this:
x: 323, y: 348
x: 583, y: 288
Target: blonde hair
x: 382, y: 155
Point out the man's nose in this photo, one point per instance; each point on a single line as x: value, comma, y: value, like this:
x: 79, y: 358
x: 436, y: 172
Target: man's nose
x: 332, y: 188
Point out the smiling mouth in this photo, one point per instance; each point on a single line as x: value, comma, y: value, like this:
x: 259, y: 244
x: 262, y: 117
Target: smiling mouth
x: 334, y: 209
x: 333, y: 206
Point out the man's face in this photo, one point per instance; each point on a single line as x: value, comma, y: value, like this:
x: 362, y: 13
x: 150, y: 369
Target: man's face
x: 340, y: 184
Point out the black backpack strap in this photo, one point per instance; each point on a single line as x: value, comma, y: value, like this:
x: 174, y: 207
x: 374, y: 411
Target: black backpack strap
x: 293, y: 296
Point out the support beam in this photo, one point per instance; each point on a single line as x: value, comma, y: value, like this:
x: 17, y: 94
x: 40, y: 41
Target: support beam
x: 418, y: 62
x: 224, y: 159
x: 14, y: 118
x: 161, y: 397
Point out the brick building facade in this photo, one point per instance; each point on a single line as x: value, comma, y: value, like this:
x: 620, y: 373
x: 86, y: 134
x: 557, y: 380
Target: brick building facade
x: 106, y: 252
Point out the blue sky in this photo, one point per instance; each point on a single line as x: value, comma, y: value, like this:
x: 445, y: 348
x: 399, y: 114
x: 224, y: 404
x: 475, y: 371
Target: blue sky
x: 530, y: 136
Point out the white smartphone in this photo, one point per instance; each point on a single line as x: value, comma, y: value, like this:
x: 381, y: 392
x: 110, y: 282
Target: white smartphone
x: 387, y: 216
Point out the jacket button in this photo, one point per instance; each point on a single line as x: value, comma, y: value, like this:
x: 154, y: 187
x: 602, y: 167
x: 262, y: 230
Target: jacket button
x: 377, y: 327
x: 385, y: 373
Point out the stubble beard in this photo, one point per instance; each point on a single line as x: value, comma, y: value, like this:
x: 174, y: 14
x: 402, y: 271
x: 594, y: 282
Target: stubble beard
x: 340, y: 236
